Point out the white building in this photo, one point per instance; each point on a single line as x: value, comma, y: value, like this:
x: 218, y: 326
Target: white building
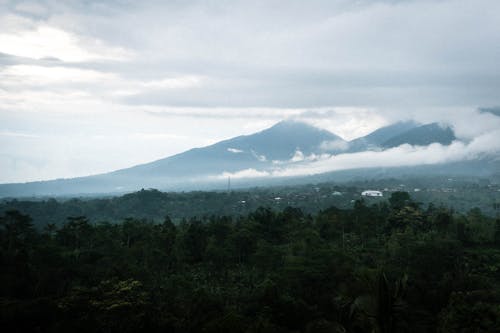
x: 371, y: 193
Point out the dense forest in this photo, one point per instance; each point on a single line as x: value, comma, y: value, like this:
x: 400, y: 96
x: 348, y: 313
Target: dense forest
x: 386, y: 266
x: 457, y: 194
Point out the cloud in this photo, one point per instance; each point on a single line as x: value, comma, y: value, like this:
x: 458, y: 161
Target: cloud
x: 18, y: 134
x: 493, y: 110
x: 329, y: 53
x: 174, y: 83
x: 298, y: 156
x: 261, y: 158
x: 246, y: 173
x: 155, y: 136
x: 31, y: 8
x: 24, y: 82
x: 404, y: 155
x: 46, y: 41
x: 326, y: 54
x: 234, y: 150
x: 25, y: 75
x: 485, y: 145
x: 335, y: 145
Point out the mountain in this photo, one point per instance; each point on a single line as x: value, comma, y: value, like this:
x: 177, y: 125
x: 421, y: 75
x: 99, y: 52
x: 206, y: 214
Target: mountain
x: 188, y: 169
x: 278, y: 143
x: 376, y: 138
x: 422, y: 136
x: 492, y: 110
x: 408, y: 132
x: 285, y: 145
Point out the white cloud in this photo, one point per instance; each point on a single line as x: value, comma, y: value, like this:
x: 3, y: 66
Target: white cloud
x: 314, y: 157
x: 298, y: 156
x: 25, y: 85
x: 18, y: 134
x: 246, y: 173
x: 347, y: 122
x: 404, y: 155
x: 48, y: 102
x: 336, y: 145
x: 487, y: 144
x: 157, y: 136
x: 187, y: 81
x: 51, y: 42
x: 234, y: 150
x: 23, y: 75
x: 261, y: 158
x: 32, y: 8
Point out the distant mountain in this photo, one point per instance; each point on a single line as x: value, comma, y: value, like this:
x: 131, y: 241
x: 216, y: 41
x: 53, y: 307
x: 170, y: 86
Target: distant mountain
x: 191, y: 168
x: 492, y: 110
x: 285, y: 144
x: 422, y: 136
x: 377, y: 138
x: 278, y: 143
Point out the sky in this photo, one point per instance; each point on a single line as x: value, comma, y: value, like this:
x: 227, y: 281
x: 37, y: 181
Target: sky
x: 92, y: 86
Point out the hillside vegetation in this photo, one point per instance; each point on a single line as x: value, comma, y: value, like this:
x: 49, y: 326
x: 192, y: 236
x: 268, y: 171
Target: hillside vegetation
x: 390, y: 266
x: 459, y: 195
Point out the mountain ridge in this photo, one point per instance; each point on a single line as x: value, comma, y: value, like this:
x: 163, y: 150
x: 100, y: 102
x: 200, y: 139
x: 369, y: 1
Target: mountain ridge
x: 274, y: 143
x: 379, y: 136
x: 422, y: 136
x: 262, y: 152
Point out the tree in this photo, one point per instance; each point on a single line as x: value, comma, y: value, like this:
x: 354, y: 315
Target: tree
x: 496, y: 237
x: 112, y: 306
x: 76, y: 233
x: 476, y: 311
x: 193, y: 240
x: 399, y: 200
x: 16, y: 231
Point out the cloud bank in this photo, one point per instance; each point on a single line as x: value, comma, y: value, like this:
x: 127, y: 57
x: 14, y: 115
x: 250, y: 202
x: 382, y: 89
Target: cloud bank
x: 486, y: 145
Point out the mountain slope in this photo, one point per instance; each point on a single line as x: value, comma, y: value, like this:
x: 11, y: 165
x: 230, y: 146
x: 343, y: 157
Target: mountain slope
x: 190, y: 169
x: 265, y: 152
x: 249, y: 151
x: 422, y: 136
x: 376, y: 138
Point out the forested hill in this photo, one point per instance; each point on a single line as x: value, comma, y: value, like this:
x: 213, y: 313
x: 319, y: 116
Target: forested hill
x: 155, y: 205
x: 385, y: 267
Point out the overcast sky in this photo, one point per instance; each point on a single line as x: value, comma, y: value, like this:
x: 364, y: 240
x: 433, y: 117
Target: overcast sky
x: 94, y: 86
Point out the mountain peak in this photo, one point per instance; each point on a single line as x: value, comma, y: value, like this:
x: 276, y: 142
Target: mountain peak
x: 280, y: 141
x: 423, y: 135
x: 297, y: 127
x: 383, y: 134
x: 292, y: 123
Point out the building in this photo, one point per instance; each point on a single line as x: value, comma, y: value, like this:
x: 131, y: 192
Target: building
x: 371, y: 193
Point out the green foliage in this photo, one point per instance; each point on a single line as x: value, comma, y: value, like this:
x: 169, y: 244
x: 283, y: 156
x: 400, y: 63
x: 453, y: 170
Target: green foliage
x: 459, y: 194
x: 399, y: 200
x: 375, y: 267
x: 117, y: 306
x: 474, y: 311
